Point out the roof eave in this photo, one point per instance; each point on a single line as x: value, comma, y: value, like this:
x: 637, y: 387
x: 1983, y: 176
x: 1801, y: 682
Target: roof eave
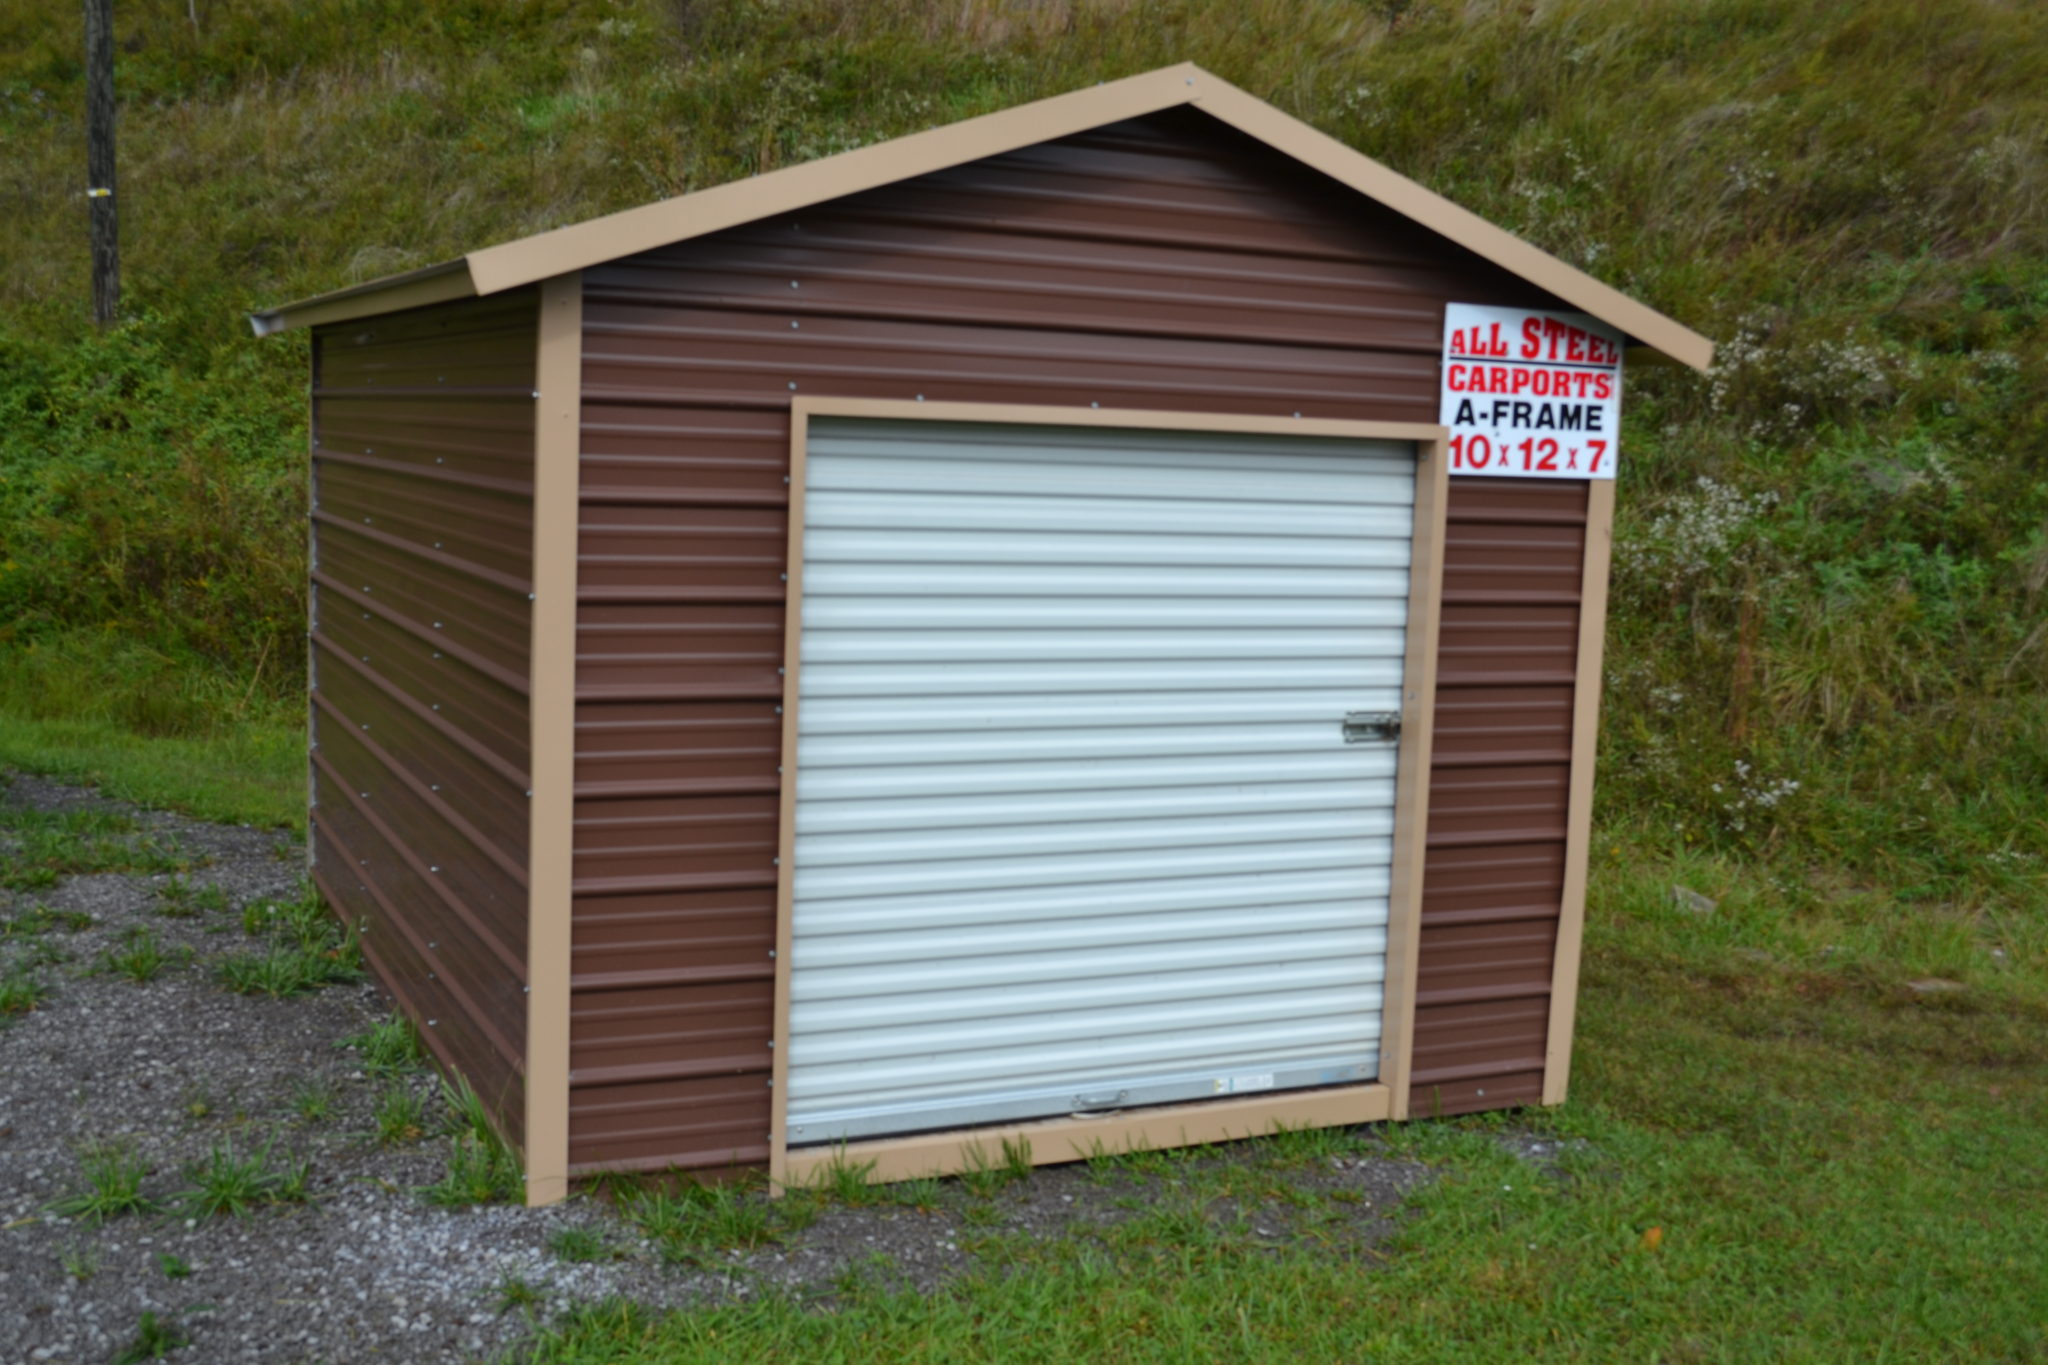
x: 412, y: 289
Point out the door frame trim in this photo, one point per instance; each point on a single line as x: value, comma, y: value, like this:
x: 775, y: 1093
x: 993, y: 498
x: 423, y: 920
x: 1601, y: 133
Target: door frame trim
x: 1070, y: 1139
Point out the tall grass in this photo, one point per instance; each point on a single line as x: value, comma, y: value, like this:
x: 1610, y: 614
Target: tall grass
x: 1830, y: 627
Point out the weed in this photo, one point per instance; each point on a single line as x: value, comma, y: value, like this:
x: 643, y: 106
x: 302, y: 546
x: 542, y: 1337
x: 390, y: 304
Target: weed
x: 81, y: 1261
x: 1306, y: 1146
x: 987, y: 1172
x: 481, y: 1168
x: 141, y: 958
x: 173, y: 1267
x: 51, y: 845
x: 513, y: 1291
x: 155, y: 1338
x: 982, y: 1215
x: 580, y: 1244
x: 847, y: 1182
x: 401, y: 1115
x: 236, y: 1183
x: 288, y: 971
x: 197, y: 1102
x: 689, y: 1223
x: 478, y: 1172
x: 389, y: 1046
x: 113, y: 1173
x: 924, y: 1194
x: 41, y: 919
x: 179, y: 899
x: 313, y: 1100
x: 20, y: 993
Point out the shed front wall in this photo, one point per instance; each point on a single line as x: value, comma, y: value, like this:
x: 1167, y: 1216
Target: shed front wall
x: 422, y: 528
x: 1165, y: 263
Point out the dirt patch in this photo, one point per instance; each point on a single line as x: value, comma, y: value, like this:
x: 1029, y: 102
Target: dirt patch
x: 365, y: 1268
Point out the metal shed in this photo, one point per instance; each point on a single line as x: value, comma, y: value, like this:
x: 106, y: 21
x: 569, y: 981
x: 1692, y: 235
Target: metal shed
x: 971, y: 639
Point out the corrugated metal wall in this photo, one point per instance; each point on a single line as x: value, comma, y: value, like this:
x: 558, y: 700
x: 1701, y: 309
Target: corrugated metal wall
x: 422, y: 549
x: 1162, y: 263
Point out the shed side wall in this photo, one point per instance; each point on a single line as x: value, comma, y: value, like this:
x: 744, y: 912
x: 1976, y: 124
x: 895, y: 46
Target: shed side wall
x: 422, y: 550
x: 1164, y: 263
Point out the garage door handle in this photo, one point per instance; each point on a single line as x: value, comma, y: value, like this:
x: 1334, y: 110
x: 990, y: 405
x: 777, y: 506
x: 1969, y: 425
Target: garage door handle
x: 1366, y: 727
x: 1084, y: 1103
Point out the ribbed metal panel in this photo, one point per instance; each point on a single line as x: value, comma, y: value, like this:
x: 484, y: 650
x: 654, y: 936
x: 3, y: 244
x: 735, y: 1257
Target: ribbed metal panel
x: 1493, y: 881
x: 423, y: 531
x: 1161, y: 264
x: 1048, y: 852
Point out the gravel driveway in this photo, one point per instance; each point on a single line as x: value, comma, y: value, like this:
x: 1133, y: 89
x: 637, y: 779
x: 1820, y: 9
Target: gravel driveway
x: 364, y: 1268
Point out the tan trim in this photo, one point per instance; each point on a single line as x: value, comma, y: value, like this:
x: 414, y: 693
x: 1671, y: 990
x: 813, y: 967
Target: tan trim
x: 785, y: 816
x: 1051, y: 1141
x: 583, y: 245
x: 1319, y: 150
x: 1578, y: 836
x: 1208, y: 1121
x: 551, y: 811
x: 413, y: 289
x: 1412, y: 775
x: 897, y: 409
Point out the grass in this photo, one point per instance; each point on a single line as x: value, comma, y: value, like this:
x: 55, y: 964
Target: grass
x: 692, y: 1222
x: 21, y: 992
x: 228, y: 1182
x: 514, y: 1291
x: 313, y: 1100
x: 179, y: 899
x: 155, y: 1338
x: 401, y: 1116
x: 41, y: 919
x: 140, y: 957
x: 47, y: 846
x: 306, y: 949
x: 481, y: 1169
x: 580, y: 1245
x: 112, y: 1174
x: 173, y: 1267
x: 389, y: 1047
x: 1835, y: 1168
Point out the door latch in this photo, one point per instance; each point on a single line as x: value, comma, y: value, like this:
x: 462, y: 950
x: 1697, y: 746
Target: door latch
x: 1366, y: 727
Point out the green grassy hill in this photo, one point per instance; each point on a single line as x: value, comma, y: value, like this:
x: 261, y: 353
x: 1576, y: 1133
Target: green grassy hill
x: 1829, y: 639
x: 1834, y: 553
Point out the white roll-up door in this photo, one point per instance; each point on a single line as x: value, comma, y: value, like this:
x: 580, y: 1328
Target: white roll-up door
x: 1077, y: 825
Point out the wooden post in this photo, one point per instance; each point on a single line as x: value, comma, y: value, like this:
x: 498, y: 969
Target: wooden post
x: 99, y: 159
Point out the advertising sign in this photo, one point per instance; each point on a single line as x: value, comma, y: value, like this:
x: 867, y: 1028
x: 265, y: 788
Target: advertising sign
x: 1529, y: 394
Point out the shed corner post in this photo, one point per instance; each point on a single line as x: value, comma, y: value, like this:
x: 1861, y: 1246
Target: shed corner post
x: 1412, y: 767
x: 558, y: 380
x: 1585, y: 743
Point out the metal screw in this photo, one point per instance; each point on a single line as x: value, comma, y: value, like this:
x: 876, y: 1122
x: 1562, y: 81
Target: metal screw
x: 1095, y: 405
x: 792, y: 284
x: 793, y: 326
x: 792, y: 383
x: 771, y: 952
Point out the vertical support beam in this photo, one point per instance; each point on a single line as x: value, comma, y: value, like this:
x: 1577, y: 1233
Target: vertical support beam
x: 99, y: 160
x: 785, y: 819
x: 314, y: 347
x: 1411, y: 790
x: 1587, y: 687
x: 557, y: 442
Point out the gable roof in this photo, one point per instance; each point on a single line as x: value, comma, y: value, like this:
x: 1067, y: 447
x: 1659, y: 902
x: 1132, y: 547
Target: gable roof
x: 528, y: 260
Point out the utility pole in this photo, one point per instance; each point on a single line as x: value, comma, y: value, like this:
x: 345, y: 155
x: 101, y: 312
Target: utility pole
x: 99, y: 159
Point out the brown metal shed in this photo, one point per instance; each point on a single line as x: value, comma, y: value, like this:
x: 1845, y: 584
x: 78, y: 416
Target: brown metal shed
x: 559, y: 530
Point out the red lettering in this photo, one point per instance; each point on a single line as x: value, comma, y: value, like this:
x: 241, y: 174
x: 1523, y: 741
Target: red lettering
x: 1574, y: 344
x: 1532, y: 338
x: 1603, y: 386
